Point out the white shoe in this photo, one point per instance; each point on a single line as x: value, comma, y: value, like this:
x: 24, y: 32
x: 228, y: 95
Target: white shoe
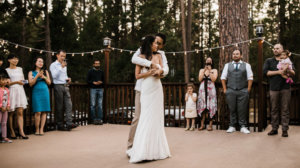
x: 230, y: 130
x: 245, y: 130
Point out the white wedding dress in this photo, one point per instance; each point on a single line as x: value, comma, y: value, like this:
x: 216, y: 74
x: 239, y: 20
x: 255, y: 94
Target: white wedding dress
x: 150, y: 142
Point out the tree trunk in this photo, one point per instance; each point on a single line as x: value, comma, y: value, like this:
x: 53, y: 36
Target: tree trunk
x: 23, y: 56
x: 132, y: 19
x: 233, y: 22
x: 47, y: 35
x: 189, y: 34
x: 282, y: 21
x: 186, y: 71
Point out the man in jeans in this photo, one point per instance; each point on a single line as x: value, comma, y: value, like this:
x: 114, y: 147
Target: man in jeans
x: 62, y: 95
x: 280, y: 93
x: 95, y: 78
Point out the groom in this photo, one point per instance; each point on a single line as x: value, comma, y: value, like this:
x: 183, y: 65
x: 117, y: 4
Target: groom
x: 161, y: 41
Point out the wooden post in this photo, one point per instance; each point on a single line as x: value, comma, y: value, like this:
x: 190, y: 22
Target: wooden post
x: 106, y: 65
x: 261, y: 100
x: 106, y: 81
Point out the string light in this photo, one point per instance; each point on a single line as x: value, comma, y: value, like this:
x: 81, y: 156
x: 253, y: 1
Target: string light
x: 73, y: 54
x: 3, y: 42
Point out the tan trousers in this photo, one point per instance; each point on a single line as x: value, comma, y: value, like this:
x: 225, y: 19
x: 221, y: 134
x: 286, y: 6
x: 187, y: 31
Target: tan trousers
x: 135, y: 120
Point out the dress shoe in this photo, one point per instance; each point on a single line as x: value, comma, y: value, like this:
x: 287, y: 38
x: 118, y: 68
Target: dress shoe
x: 273, y: 132
x: 72, y: 126
x: 230, y: 130
x: 23, y: 137
x: 285, y: 134
x: 63, y: 129
x: 245, y: 130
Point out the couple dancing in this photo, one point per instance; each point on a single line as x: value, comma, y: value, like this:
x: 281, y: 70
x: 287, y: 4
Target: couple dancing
x: 147, y: 139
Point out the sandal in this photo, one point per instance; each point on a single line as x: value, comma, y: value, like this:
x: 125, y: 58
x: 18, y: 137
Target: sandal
x: 201, y: 128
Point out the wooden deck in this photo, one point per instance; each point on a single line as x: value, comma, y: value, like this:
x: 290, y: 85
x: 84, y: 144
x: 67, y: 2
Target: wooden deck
x: 104, y: 147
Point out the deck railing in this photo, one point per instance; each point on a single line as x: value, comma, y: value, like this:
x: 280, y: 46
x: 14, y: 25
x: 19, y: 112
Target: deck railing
x: 118, y: 106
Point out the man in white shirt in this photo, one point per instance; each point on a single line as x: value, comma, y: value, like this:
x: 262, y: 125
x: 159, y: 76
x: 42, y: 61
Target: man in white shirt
x: 62, y: 95
x: 161, y: 40
x: 237, y: 78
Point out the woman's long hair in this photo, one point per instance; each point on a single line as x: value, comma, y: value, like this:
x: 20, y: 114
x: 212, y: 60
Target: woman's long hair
x: 34, y: 66
x: 146, y: 48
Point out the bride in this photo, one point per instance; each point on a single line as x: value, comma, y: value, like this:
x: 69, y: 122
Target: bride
x: 150, y: 142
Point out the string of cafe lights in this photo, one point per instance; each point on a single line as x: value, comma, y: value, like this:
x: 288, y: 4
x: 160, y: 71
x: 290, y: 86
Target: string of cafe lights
x: 30, y: 49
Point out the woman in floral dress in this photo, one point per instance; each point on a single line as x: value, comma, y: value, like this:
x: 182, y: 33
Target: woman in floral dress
x: 207, y: 98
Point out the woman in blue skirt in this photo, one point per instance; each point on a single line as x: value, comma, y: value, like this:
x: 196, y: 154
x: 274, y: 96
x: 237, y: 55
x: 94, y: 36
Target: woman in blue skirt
x: 39, y: 79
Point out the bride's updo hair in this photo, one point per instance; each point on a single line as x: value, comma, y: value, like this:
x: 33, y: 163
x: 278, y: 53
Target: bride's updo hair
x: 146, y: 48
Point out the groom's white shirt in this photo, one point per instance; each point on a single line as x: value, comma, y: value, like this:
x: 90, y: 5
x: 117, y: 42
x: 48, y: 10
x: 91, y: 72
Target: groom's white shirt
x: 146, y: 63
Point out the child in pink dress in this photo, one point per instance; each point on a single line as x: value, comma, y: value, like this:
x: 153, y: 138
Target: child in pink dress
x: 4, y: 106
x: 285, y: 62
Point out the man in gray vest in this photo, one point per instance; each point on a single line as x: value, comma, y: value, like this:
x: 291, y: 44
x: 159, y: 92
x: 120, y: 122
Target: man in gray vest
x: 239, y: 77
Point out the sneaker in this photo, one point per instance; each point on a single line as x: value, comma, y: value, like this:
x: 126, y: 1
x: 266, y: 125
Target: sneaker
x: 245, y: 130
x: 231, y: 130
x: 6, y: 140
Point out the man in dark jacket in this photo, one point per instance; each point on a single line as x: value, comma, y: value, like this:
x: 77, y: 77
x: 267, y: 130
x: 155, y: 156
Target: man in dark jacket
x: 95, y: 79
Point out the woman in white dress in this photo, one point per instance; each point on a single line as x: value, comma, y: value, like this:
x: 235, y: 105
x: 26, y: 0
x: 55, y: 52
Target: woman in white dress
x: 150, y: 142
x: 18, y: 100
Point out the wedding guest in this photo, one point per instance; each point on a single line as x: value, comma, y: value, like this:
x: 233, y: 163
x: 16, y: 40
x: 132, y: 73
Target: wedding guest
x: 18, y: 99
x: 62, y: 92
x: 207, y: 98
x: 39, y: 79
x: 285, y: 64
x: 95, y: 79
x: 190, y: 107
x: 2, y: 70
x: 160, y: 41
x: 239, y: 78
x: 5, y: 106
x: 280, y: 91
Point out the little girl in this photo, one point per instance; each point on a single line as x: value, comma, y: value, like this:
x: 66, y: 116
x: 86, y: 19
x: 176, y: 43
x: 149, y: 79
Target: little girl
x: 4, y: 105
x: 190, y: 107
x: 285, y: 62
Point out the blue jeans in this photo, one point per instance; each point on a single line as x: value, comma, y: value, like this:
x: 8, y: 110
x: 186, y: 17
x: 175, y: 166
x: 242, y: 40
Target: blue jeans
x: 96, y: 98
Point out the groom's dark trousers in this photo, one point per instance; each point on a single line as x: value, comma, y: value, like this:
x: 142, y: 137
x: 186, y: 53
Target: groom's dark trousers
x: 135, y: 120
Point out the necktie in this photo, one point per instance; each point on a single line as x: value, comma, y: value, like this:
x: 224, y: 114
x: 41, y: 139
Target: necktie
x: 236, y: 66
